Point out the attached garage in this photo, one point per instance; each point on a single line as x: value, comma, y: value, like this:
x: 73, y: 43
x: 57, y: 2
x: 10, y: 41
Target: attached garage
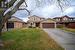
x: 47, y: 24
x: 10, y: 24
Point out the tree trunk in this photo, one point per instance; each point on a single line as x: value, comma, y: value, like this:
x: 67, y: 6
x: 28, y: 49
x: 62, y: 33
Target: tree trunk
x: 1, y: 41
x: 0, y: 32
x: 6, y: 17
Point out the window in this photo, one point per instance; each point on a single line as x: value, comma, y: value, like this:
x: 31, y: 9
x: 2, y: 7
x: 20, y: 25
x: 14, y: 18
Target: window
x: 65, y: 18
x: 57, y: 19
x: 31, y: 23
x: 34, y: 18
x: 40, y: 18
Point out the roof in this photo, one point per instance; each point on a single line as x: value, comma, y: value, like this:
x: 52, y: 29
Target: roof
x: 36, y: 16
x: 69, y: 21
x: 15, y: 19
x: 48, y: 21
x: 33, y: 21
x: 56, y: 17
x: 63, y: 17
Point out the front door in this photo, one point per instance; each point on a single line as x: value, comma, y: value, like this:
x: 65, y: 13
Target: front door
x: 37, y: 24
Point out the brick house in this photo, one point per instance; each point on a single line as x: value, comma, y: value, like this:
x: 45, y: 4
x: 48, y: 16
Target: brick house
x: 14, y: 23
x: 35, y: 21
x: 65, y: 21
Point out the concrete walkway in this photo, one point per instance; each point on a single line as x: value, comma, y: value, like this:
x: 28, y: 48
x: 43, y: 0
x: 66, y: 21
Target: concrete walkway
x: 64, y: 39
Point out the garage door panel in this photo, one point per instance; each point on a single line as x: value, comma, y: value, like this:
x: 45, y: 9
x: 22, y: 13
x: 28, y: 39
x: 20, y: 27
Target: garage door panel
x: 48, y: 25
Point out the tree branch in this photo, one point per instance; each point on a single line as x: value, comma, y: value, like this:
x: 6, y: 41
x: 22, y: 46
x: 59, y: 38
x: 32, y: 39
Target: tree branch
x: 11, y: 12
x: 11, y: 3
x: 26, y: 10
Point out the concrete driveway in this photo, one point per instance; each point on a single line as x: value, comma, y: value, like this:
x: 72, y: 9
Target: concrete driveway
x: 63, y: 38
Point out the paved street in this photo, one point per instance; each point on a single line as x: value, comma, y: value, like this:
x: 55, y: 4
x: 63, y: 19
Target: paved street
x: 64, y: 39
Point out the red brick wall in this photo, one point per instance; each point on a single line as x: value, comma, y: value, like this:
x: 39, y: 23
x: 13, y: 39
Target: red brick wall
x: 18, y: 24
x: 71, y: 25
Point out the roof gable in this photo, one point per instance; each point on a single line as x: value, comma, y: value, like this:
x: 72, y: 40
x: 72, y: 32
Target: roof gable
x: 36, y: 16
x: 65, y: 16
x: 15, y: 19
x: 48, y: 21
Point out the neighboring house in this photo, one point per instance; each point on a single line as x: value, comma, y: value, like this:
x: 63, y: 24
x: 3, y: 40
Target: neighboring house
x: 13, y: 22
x: 64, y: 18
x: 34, y: 21
x: 65, y: 21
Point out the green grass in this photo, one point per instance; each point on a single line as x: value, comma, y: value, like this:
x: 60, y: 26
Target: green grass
x: 69, y: 29
x: 28, y: 39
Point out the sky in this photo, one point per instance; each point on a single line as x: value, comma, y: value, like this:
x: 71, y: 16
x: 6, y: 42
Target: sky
x: 45, y: 9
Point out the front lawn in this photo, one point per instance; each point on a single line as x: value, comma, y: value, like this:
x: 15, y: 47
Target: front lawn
x: 28, y: 39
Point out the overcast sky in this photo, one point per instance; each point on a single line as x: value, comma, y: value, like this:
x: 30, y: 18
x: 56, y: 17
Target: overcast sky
x: 45, y: 9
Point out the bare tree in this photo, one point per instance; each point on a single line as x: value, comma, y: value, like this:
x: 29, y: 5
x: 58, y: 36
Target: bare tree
x: 10, y: 9
x: 7, y: 10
